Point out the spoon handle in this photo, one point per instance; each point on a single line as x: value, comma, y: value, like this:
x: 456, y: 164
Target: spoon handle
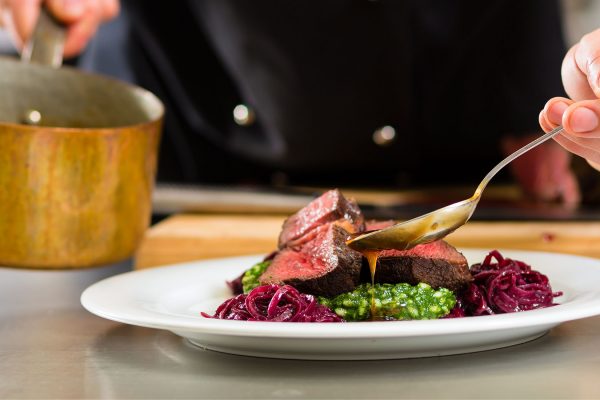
x: 514, y: 155
x: 47, y: 41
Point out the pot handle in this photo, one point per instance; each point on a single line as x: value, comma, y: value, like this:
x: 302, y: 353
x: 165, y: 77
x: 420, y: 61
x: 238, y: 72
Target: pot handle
x: 47, y: 43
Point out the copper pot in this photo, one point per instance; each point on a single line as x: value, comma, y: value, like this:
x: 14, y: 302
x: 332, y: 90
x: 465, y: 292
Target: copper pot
x: 75, y: 189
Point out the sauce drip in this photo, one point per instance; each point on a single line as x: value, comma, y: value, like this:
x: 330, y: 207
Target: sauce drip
x: 372, y: 256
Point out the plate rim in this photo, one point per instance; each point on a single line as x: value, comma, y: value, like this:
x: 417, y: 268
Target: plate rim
x: 389, y: 329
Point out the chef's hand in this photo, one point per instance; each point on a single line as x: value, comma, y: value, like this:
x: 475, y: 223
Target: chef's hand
x: 81, y: 17
x: 544, y: 173
x: 579, y: 115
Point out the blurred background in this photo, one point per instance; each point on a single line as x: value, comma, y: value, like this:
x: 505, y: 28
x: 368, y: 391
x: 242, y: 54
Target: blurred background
x: 579, y: 17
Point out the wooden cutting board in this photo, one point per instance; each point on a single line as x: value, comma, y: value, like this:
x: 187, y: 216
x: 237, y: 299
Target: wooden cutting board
x: 188, y: 237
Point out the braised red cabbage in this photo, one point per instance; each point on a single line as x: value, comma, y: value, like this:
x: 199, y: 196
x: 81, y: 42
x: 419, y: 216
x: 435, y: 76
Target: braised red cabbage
x: 274, y: 303
x: 504, y: 286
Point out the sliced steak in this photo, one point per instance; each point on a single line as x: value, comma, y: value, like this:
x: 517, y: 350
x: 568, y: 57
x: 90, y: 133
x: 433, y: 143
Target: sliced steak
x: 323, y: 266
x: 329, y: 207
x: 437, y: 264
x: 375, y: 225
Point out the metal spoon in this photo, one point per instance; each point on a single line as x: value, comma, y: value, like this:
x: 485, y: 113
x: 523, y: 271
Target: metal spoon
x: 439, y: 223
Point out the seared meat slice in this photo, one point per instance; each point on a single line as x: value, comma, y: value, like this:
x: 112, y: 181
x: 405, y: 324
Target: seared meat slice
x: 332, y: 206
x: 323, y: 266
x: 375, y: 225
x: 437, y: 264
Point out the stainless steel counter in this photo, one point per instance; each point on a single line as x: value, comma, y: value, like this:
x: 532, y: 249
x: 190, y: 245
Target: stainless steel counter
x: 50, y: 347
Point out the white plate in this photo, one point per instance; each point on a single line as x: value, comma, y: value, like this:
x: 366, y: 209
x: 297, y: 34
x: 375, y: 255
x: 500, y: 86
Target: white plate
x: 172, y: 298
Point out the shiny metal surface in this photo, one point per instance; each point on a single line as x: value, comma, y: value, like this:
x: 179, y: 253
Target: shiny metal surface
x: 50, y: 347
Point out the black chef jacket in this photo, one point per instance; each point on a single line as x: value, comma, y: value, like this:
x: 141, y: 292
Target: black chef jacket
x: 321, y: 76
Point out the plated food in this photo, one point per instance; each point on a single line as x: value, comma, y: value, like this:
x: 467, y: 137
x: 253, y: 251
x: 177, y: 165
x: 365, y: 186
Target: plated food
x: 314, y: 276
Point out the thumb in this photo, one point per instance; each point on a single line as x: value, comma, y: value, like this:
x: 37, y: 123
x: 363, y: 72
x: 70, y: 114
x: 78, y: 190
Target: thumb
x: 582, y: 119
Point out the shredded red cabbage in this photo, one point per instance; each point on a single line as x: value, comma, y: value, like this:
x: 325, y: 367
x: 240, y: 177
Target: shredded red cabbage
x: 504, y: 286
x: 274, y: 303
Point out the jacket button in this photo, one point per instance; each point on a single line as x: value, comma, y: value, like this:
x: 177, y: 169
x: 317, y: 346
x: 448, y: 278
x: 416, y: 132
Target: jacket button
x: 243, y: 115
x: 384, y: 136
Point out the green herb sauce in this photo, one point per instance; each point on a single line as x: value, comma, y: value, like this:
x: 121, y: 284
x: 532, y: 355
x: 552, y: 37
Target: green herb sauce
x: 250, y: 278
x: 392, y: 301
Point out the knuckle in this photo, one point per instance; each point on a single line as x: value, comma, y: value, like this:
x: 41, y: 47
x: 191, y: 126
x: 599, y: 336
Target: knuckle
x: 591, y: 37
